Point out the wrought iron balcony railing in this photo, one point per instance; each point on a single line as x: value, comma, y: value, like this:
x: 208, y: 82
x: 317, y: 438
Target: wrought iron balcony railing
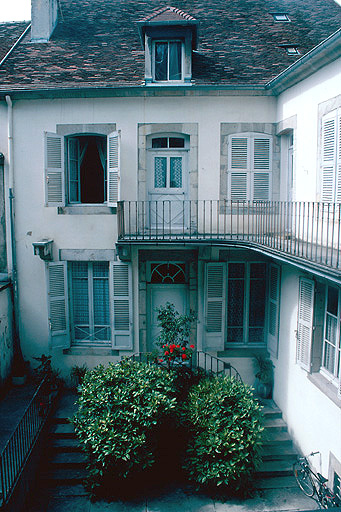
x: 305, y: 230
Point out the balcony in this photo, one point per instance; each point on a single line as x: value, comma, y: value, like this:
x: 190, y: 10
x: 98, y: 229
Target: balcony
x: 307, y: 233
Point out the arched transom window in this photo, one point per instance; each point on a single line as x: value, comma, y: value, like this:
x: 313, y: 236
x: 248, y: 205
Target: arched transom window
x: 168, y: 273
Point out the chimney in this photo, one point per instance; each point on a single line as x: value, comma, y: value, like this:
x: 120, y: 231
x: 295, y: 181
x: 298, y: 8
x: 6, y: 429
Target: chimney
x: 44, y: 19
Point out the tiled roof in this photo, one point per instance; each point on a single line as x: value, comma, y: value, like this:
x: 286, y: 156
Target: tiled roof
x: 96, y: 42
x: 9, y: 34
x: 167, y: 14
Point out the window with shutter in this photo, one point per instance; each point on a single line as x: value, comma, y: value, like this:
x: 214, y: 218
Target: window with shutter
x: 215, y: 291
x: 122, y: 300
x: 54, y: 170
x: 305, y: 323
x: 58, y: 304
x: 113, y: 148
x: 331, y: 353
x: 249, y: 162
x: 331, y: 157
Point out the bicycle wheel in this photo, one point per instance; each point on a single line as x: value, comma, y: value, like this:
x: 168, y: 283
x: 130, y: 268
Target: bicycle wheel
x: 303, y: 479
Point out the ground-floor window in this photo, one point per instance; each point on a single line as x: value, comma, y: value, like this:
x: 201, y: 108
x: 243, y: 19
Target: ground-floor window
x: 331, y: 339
x: 90, y: 308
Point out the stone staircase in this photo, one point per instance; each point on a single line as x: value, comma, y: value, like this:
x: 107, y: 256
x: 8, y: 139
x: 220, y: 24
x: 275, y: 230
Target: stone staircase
x: 66, y: 470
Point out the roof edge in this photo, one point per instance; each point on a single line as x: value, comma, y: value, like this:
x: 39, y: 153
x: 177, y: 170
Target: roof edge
x: 324, y: 53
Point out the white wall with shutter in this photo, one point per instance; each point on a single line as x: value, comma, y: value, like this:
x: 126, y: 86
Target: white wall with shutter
x: 305, y: 323
x: 122, y: 305
x: 54, y: 170
x: 274, y: 292
x: 328, y: 156
x: 58, y: 304
x: 113, y: 170
x: 215, y: 305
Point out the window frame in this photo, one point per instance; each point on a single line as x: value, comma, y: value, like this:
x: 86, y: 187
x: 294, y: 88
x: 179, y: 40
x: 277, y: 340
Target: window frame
x: 336, y: 375
x: 168, y: 40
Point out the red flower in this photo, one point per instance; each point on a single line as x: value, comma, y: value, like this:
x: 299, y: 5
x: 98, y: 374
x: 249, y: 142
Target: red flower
x: 169, y: 359
x: 160, y: 360
x: 171, y: 349
x: 183, y: 348
x: 183, y: 356
x: 178, y: 346
x: 191, y: 346
x: 166, y: 353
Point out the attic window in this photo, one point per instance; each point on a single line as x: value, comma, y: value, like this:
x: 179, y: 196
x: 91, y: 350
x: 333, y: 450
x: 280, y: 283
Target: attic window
x: 292, y: 50
x: 280, y: 17
x: 167, y: 61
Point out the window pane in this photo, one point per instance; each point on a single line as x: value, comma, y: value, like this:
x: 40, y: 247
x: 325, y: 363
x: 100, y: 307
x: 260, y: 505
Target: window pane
x: 329, y: 357
x: 159, y: 142
x: 80, y: 294
x: 101, y: 301
x: 175, y: 61
x: 257, y: 270
x: 236, y: 270
x: 257, y: 303
x: 331, y: 328
x: 256, y: 335
x: 332, y: 300
x: 161, y: 51
x: 176, y: 172
x: 176, y: 142
x: 235, y: 335
x: 160, y: 171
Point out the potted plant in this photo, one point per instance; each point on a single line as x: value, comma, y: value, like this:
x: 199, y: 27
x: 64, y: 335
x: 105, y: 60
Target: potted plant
x: 77, y: 374
x: 264, y: 373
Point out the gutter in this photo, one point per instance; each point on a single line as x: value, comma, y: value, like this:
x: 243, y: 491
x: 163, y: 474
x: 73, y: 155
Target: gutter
x: 15, y: 44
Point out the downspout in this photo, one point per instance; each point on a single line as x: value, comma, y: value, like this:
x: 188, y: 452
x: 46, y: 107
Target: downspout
x: 18, y: 361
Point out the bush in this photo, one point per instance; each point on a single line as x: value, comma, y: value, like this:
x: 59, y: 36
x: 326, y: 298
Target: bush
x: 120, y: 409
x: 225, y: 424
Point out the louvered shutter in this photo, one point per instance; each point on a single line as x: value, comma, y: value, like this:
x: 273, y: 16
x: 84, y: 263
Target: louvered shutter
x: 58, y: 304
x: 273, y: 308
x: 54, y: 170
x: 328, y: 157
x: 338, y: 159
x: 113, y: 171
x: 261, y: 162
x: 305, y: 323
x: 215, y: 293
x: 239, y: 186
x: 122, y: 301
x: 238, y: 161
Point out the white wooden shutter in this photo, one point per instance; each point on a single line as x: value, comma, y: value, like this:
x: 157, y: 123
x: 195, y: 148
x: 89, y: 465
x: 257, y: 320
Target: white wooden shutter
x: 261, y: 159
x: 215, y: 293
x: 239, y: 186
x: 261, y: 186
x: 54, y: 170
x: 58, y: 304
x: 328, y: 157
x: 305, y: 322
x: 239, y: 154
x: 113, y: 170
x: 122, y: 302
x: 273, y: 308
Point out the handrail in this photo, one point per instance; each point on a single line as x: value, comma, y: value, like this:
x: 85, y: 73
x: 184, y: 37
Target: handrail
x: 210, y: 364
x: 309, y: 231
x: 14, y: 455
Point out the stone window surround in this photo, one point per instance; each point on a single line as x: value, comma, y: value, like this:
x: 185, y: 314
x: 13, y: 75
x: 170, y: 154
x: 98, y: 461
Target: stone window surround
x: 227, y: 129
x: 145, y: 131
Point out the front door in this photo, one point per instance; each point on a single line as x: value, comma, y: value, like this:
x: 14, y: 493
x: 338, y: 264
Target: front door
x: 167, y: 191
x: 158, y: 295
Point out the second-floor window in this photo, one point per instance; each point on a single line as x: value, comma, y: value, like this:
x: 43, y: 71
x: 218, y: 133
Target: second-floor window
x: 249, y: 167
x: 167, y: 61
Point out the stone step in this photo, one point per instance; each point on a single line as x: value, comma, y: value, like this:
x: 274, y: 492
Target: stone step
x: 67, y: 490
x: 271, y: 412
x: 274, y: 424
x: 68, y: 460
x: 65, y: 445
x: 276, y: 438
x: 278, y: 452
x: 274, y: 468
x: 62, y: 431
x: 65, y: 476
x: 279, y: 482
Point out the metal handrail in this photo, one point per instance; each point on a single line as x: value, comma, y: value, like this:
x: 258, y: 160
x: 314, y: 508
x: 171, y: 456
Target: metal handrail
x: 16, y: 452
x: 299, y: 229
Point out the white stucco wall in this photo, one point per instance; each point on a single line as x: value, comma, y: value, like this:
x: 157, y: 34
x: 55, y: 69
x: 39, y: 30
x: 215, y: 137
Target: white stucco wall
x: 314, y: 421
x: 303, y: 101
x: 34, y: 221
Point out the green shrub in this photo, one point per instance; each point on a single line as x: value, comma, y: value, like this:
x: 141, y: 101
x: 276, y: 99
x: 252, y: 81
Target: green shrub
x: 120, y: 410
x: 225, y: 424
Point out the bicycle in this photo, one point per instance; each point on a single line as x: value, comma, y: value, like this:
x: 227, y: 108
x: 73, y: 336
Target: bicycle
x: 314, y: 485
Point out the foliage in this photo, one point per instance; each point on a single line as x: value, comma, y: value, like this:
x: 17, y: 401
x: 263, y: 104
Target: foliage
x: 174, y: 333
x: 45, y: 370
x: 77, y: 373
x: 120, y: 410
x: 225, y: 424
x: 264, y: 369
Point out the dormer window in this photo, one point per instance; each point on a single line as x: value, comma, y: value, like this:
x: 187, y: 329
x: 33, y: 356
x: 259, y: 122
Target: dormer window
x: 168, y: 37
x: 167, y: 61
x: 281, y: 17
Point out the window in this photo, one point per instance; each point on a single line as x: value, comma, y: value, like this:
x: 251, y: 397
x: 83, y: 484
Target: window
x: 82, y: 169
x: 331, y: 338
x: 331, y: 157
x: 280, y: 17
x: 292, y: 50
x: 167, y: 61
x: 90, y: 309
x: 90, y: 304
x: 249, y: 167
x: 238, y: 295
x: 87, y: 169
x: 168, y: 163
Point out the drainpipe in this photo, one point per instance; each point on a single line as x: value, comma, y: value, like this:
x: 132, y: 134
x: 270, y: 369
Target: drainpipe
x: 18, y: 362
